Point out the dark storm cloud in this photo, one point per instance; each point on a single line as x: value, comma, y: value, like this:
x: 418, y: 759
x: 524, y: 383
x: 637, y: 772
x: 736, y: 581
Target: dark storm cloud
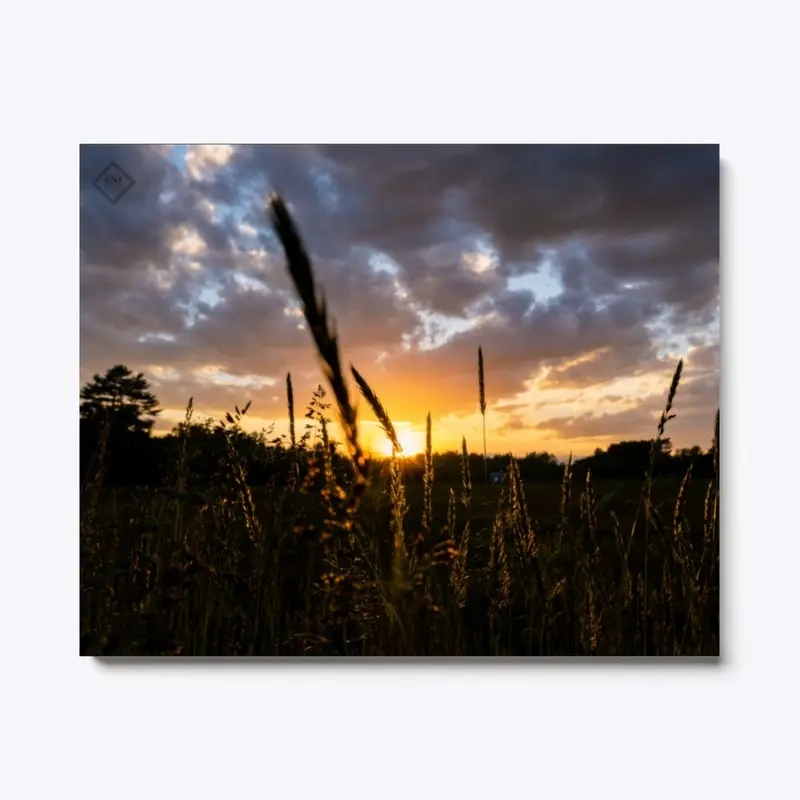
x: 639, y: 213
x: 649, y: 210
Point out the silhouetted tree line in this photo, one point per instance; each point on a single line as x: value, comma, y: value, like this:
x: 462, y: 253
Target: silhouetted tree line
x: 631, y: 460
x: 118, y: 411
x: 623, y: 460
x: 117, y: 414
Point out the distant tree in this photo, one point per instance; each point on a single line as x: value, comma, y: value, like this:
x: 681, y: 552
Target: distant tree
x: 120, y: 398
x: 689, y: 452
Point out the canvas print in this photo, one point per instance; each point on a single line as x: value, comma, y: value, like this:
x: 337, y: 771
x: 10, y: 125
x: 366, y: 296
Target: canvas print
x: 399, y: 400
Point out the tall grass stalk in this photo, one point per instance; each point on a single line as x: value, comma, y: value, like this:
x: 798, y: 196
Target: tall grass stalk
x: 377, y: 409
x: 566, y: 495
x: 482, y: 402
x: 316, y: 315
x: 290, y: 407
x: 499, y: 572
x: 451, y: 515
x: 459, y: 574
x: 398, y: 509
x: 427, y: 480
x: 181, y: 472
x: 655, y: 449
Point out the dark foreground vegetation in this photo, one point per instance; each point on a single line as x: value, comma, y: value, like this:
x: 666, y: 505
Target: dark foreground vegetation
x: 212, y: 541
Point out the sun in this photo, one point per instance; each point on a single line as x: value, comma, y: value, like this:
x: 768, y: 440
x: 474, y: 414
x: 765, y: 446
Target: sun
x: 412, y: 442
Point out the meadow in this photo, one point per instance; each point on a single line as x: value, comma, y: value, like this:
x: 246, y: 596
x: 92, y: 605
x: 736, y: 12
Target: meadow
x: 336, y: 553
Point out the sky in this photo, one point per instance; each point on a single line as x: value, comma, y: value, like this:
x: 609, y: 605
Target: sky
x: 584, y: 272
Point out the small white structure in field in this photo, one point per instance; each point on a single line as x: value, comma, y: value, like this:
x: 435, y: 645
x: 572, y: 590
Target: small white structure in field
x: 497, y: 477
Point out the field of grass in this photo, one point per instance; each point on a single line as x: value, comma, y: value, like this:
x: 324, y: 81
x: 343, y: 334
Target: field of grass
x: 210, y: 574
x: 544, y: 501
x: 344, y: 557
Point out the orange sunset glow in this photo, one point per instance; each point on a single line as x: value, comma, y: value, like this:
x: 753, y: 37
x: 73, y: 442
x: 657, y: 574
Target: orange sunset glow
x: 412, y: 442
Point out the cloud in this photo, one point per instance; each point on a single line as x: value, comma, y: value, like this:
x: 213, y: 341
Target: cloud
x: 574, y: 267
